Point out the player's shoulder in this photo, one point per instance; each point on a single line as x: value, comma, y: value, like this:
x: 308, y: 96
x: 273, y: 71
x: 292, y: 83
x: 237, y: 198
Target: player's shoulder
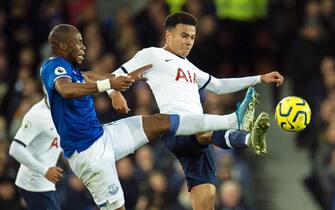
x: 56, y: 62
x: 192, y: 65
x: 56, y: 67
x: 152, y: 50
x: 38, y: 111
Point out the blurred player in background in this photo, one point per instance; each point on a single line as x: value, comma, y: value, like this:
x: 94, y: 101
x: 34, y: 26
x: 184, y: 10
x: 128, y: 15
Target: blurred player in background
x: 36, y: 147
x: 90, y: 147
x: 175, y: 83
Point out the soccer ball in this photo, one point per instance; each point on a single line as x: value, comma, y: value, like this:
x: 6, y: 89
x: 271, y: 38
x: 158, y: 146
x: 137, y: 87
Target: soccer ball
x: 293, y: 114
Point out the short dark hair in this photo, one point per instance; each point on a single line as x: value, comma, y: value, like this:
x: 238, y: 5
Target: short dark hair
x: 174, y: 19
x: 60, y: 33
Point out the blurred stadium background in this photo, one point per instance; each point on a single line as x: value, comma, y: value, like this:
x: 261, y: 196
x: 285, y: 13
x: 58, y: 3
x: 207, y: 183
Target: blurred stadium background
x: 235, y: 38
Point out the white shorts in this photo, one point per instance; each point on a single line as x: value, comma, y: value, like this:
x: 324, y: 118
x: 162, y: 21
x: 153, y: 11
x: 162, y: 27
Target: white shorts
x: 96, y: 165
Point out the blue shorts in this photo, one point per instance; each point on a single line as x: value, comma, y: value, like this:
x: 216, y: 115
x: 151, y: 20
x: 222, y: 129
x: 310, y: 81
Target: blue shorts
x: 41, y: 200
x: 197, y: 160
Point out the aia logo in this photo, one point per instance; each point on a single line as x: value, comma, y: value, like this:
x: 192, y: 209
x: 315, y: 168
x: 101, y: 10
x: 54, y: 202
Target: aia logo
x: 54, y: 143
x: 186, y: 76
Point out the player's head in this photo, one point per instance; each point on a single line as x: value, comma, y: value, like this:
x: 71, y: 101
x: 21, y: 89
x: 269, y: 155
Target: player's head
x: 66, y: 41
x: 180, y: 31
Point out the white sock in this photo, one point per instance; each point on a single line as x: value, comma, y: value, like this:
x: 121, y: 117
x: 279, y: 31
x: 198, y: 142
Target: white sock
x: 192, y: 124
x: 247, y: 139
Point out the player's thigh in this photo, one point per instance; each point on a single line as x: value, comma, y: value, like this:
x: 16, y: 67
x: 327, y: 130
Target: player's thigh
x: 199, y: 167
x: 183, y: 145
x: 127, y: 135
x: 41, y: 200
x: 96, y: 168
x: 203, y: 196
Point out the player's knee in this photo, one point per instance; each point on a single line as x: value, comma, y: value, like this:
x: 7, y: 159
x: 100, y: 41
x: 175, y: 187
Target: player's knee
x: 205, y: 203
x: 208, y: 201
x: 203, y: 197
x: 209, y: 197
x: 155, y: 125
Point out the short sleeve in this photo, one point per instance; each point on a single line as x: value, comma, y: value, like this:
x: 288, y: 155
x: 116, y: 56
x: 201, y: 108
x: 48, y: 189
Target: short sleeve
x: 141, y: 58
x: 30, y: 129
x: 58, y: 70
x: 203, y: 78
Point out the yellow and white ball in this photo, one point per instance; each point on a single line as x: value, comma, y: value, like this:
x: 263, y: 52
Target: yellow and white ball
x: 293, y: 114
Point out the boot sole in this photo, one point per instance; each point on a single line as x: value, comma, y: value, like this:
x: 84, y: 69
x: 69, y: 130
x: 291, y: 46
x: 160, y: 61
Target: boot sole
x: 259, y: 133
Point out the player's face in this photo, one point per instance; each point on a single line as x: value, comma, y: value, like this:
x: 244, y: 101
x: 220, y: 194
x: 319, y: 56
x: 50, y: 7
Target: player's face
x: 180, y: 39
x: 76, y: 49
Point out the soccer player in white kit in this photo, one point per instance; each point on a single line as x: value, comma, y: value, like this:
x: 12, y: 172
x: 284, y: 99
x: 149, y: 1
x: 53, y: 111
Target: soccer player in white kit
x: 175, y: 83
x: 90, y: 147
x: 36, y: 147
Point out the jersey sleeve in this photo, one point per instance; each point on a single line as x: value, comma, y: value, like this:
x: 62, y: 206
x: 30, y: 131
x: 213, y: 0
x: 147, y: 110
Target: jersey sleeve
x: 224, y: 86
x: 30, y: 129
x: 231, y: 85
x: 23, y: 156
x: 140, y: 59
x: 203, y: 78
x: 58, y: 70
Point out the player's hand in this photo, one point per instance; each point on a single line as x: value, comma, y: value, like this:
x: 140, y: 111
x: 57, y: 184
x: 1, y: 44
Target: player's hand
x: 119, y: 103
x: 121, y: 83
x: 54, y: 174
x: 137, y: 75
x: 273, y: 77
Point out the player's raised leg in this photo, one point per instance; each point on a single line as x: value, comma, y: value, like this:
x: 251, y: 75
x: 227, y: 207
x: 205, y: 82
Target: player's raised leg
x: 235, y: 138
x: 257, y: 140
x: 246, y: 110
x: 232, y: 139
x: 186, y: 124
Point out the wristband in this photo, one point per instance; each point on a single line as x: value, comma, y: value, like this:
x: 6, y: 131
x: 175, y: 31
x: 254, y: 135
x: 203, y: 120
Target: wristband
x: 110, y: 91
x: 103, y: 85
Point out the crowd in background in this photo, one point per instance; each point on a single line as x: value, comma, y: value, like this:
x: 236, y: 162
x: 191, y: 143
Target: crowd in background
x: 234, y: 38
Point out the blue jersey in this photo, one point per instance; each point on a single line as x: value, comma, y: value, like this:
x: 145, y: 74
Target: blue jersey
x: 75, y: 118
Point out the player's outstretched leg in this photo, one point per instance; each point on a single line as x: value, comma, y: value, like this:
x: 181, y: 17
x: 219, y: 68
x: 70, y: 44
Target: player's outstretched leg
x: 257, y: 138
x: 246, y: 110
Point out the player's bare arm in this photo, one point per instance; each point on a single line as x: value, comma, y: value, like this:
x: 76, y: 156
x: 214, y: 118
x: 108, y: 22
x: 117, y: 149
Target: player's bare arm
x: 93, y: 76
x: 67, y: 89
x: 137, y: 75
x: 119, y: 103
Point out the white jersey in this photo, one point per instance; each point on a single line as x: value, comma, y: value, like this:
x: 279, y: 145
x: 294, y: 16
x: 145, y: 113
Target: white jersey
x: 39, y: 135
x: 175, y: 82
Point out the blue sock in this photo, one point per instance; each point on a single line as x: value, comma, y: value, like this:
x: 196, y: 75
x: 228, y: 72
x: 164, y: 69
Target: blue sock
x: 174, y: 123
x: 219, y: 140
x: 227, y: 139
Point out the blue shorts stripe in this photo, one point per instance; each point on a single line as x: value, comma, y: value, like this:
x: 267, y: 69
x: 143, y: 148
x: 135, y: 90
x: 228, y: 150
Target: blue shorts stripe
x: 174, y: 123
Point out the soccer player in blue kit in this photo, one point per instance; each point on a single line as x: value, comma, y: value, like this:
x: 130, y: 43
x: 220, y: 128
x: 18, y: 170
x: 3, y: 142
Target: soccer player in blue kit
x: 92, y: 148
x: 175, y: 83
